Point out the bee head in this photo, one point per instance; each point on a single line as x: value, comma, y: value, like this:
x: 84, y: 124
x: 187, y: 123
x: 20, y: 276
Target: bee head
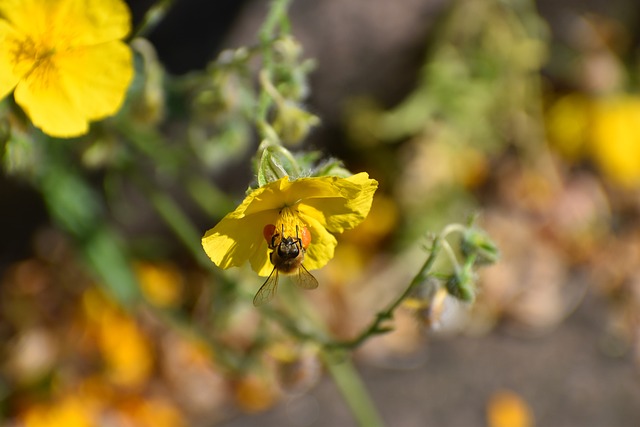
x: 288, y: 248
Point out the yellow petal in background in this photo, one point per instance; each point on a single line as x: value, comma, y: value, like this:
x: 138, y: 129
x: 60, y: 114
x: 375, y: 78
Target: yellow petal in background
x: 255, y: 393
x: 67, y: 23
x: 568, y: 122
x: 82, y: 70
x: 29, y: 17
x: 508, y: 409
x: 161, y: 284
x: 126, y: 350
x: 79, y: 86
x: 9, y: 76
x: 69, y: 411
x: 97, y: 78
x: 47, y: 103
x: 615, y: 141
x: 88, y: 22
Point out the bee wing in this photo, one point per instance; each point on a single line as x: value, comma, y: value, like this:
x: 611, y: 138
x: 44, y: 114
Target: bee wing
x: 304, y: 279
x: 268, y: 290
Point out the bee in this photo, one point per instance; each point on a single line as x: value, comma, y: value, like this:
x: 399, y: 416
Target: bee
x: 287, y: 255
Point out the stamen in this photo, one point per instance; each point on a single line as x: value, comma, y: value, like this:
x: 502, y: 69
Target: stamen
x: 289, y: 222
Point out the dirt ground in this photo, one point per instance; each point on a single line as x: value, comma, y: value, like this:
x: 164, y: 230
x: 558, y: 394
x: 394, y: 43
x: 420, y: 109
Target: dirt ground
x: 564, y: 376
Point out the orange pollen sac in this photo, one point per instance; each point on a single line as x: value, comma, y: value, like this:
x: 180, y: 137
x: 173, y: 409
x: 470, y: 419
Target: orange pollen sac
x: 305, y: 237
x: 268, y: 232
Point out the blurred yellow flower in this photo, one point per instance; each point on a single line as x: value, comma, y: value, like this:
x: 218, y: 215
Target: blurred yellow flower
x: 255, y: 393
x: 161, y: 284
x: 127, y: 351
x: 567, y: 124
x: 508, y: 409
x: 152, y: 412
x: 616, y: 139
x: 322, y: 205
x: 605, y: 130
x: 70, y: 411
x: 65, y: 60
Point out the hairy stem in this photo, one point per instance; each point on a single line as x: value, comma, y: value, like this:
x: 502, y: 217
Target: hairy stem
x: 275, y: 24
x: 376, y: 327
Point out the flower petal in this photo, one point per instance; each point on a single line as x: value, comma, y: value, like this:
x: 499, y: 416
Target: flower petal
x: 315, y: 187
x: 8, y: 76
x: 323, y: 244
x: 68, y: 23
x: 260, y: 262
x: 28, y: 16
x: 323, y: 204
x: 61, y: 96
x: 270, y: 197
x: 234, y: 241
x: 348, y: 207
x: 90, y: 22
x: 98, y: 77
x: 46, y: 101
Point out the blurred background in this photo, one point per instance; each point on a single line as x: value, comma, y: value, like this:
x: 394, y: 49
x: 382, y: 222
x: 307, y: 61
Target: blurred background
x: 525, y: 113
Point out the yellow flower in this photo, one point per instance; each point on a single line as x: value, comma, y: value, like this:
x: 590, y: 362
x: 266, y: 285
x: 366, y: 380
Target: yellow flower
x: 322, y: 205
x: 615, y: 141
x: 161, y: 284
x: 69, y: 411
x: 568, y: 121
x: 508, y: 409
x: 65, y: 60
x: 126, y: 349
x: 605, y: 130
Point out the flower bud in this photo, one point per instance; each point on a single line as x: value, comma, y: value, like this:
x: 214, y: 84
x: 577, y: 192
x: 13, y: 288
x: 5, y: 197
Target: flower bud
x: 293, y: 123
x: 477, y: 242
x: 148, y: 105
x: 275, y: 163
x: 461, y: 285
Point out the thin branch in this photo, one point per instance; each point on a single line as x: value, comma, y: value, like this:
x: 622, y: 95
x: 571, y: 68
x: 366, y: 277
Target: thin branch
x: 277, y: 16
x: 151, y: 19
x: 376, y: 327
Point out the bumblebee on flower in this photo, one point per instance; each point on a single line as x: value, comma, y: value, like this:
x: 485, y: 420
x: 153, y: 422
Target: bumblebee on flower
x: 287, y: 226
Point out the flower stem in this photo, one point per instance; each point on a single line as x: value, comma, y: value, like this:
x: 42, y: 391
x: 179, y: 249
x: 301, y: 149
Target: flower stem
x: 277, y: 17
x: 152, y: 18
x: 352, y: 389
x: 337, y: 363
x: 376, y: 327
x: 180, y: 224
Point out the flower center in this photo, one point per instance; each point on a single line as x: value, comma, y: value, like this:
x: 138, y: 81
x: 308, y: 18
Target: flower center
x: 289, y: 223
x: 29, y: 55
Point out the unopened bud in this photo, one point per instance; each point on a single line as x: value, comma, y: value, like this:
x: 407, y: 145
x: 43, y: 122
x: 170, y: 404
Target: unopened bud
x: 293, y: 123
x: 477, y: 242
x: 461, y: 285
x: 274, y: 163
